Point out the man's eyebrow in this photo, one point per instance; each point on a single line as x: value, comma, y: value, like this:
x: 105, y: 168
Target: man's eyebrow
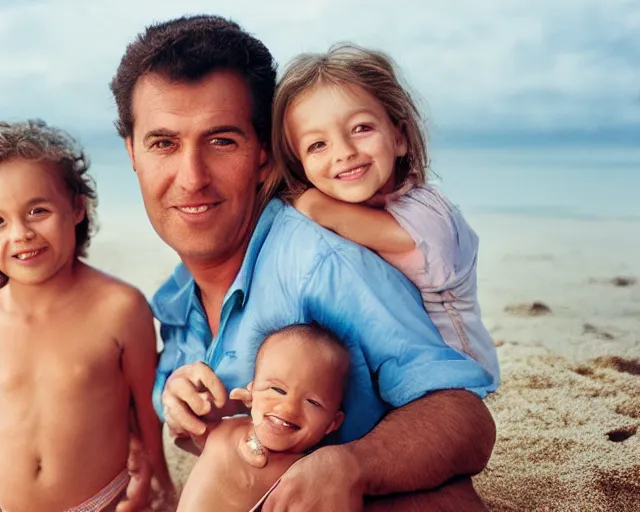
x: 215, y: 130
x: 225, y: 128
x: 159, y: 133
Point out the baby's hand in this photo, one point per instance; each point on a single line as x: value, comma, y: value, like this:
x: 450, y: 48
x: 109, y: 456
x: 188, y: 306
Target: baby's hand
x: 242, y: 394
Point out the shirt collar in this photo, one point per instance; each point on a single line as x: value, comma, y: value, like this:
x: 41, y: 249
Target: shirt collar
x: 174, y: 300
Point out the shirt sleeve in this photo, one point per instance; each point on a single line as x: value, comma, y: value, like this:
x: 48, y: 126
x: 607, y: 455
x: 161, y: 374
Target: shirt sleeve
x: 441, y: 234
x: 370, y: 304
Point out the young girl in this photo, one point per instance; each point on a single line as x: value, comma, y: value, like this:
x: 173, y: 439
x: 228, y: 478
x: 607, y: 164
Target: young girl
x: 347, y: 137
x: 77, y: 347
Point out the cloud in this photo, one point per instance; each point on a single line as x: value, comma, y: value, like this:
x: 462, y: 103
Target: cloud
x: 496, y: 66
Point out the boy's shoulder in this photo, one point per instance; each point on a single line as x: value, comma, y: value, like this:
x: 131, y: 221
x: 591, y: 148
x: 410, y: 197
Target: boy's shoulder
x: 110, y: 292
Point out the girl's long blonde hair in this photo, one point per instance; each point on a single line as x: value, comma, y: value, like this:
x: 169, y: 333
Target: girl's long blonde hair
x: 345, y: 64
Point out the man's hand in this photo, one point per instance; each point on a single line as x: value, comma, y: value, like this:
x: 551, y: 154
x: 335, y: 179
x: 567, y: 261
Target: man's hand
x: 325, y: 481
x: 139, y: 467
x: 193, y: 396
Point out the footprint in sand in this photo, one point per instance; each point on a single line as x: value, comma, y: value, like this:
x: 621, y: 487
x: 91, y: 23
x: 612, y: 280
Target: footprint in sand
x: 597, y: 332
x: 535, y: 308
x: 623, y: 281
x: 619, y: 435
x: 621, y: 364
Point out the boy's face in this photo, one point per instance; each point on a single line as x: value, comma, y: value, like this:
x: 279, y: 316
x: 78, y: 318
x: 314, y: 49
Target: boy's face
x: 297, y: 392
x: 37, y: 221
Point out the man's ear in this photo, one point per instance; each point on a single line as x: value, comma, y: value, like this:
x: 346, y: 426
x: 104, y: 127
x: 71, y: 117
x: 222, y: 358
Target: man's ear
x: 79, y: 209
x: 401, y: 139
x: 128, y: 143
x: 336, y: 423
x: 265, y: 165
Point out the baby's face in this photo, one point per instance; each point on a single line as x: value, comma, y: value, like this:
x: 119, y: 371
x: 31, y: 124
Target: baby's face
x: 297, y: 392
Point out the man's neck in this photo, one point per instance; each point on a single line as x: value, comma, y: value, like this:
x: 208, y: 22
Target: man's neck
x: 214, y: 278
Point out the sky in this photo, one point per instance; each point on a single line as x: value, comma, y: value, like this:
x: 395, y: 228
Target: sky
x: 496, y: 74
x: 483, y: 72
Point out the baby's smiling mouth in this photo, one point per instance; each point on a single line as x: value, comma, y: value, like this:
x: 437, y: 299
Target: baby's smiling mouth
x: 279, y: 422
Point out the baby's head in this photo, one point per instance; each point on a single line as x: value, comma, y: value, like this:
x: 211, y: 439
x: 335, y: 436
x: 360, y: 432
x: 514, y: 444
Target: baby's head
x: 46, y: 199
x: 300, y: 376
x: 344, y: 123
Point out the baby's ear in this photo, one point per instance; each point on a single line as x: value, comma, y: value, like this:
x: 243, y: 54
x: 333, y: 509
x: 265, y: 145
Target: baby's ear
x: 336, y: 423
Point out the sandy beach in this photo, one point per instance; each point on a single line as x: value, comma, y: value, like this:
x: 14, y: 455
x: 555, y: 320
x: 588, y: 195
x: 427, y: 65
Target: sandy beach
x: 562, y: 301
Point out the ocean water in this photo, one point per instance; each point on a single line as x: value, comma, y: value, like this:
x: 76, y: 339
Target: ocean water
x: 577, y: 182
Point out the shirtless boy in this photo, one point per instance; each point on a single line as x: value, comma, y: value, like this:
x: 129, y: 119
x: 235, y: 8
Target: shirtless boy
x: 299, y: 377
x: 77, y: 347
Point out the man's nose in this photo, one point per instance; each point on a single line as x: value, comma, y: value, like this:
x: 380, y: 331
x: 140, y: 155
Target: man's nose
x: 343, y: 149
x: 193, y: 174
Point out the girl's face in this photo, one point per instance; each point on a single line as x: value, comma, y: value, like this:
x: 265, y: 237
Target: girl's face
x: 37, y: 221
x: 345, y: 141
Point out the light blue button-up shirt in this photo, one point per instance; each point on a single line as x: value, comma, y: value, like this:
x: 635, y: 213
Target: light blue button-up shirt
x: 295, y: 271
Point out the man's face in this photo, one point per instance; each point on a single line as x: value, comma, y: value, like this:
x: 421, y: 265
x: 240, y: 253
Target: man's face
x: 198, y: 161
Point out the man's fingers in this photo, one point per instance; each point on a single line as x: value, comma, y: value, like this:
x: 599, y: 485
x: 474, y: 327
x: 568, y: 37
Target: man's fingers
x: 139, y: 468
x: 211, y: 382
x: 183, y: 390
x: 181, y: 419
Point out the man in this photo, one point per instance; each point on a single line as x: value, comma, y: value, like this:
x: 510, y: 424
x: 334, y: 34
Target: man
x: 194, y: 97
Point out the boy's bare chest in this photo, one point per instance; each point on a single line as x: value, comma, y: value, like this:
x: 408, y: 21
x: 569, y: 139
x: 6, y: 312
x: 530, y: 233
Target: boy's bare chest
x: 64, y: 356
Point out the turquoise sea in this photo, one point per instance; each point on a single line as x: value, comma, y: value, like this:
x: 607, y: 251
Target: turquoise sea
x: 579, y: 182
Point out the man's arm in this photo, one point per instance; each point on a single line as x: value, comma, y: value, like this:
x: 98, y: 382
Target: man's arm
x: 440, y: 427
x: 416, y: 447
x: 435, y: 438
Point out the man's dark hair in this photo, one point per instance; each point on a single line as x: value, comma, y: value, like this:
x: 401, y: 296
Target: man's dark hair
x: 186, y: 50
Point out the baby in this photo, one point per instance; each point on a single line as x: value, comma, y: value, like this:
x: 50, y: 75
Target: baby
x: 300, y: 374
x: 77, y: 347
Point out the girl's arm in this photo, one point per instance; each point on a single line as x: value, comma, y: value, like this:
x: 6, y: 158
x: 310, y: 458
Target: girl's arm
x: 374, y: 228
x: 139, y: 360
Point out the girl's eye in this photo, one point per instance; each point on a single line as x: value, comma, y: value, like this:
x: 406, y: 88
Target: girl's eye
x: 36, y: 211
x: 315, y: 146
x: 279, y: 390
x: 1, y: 221
x: 361, y: 128
x: 313, y: 402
